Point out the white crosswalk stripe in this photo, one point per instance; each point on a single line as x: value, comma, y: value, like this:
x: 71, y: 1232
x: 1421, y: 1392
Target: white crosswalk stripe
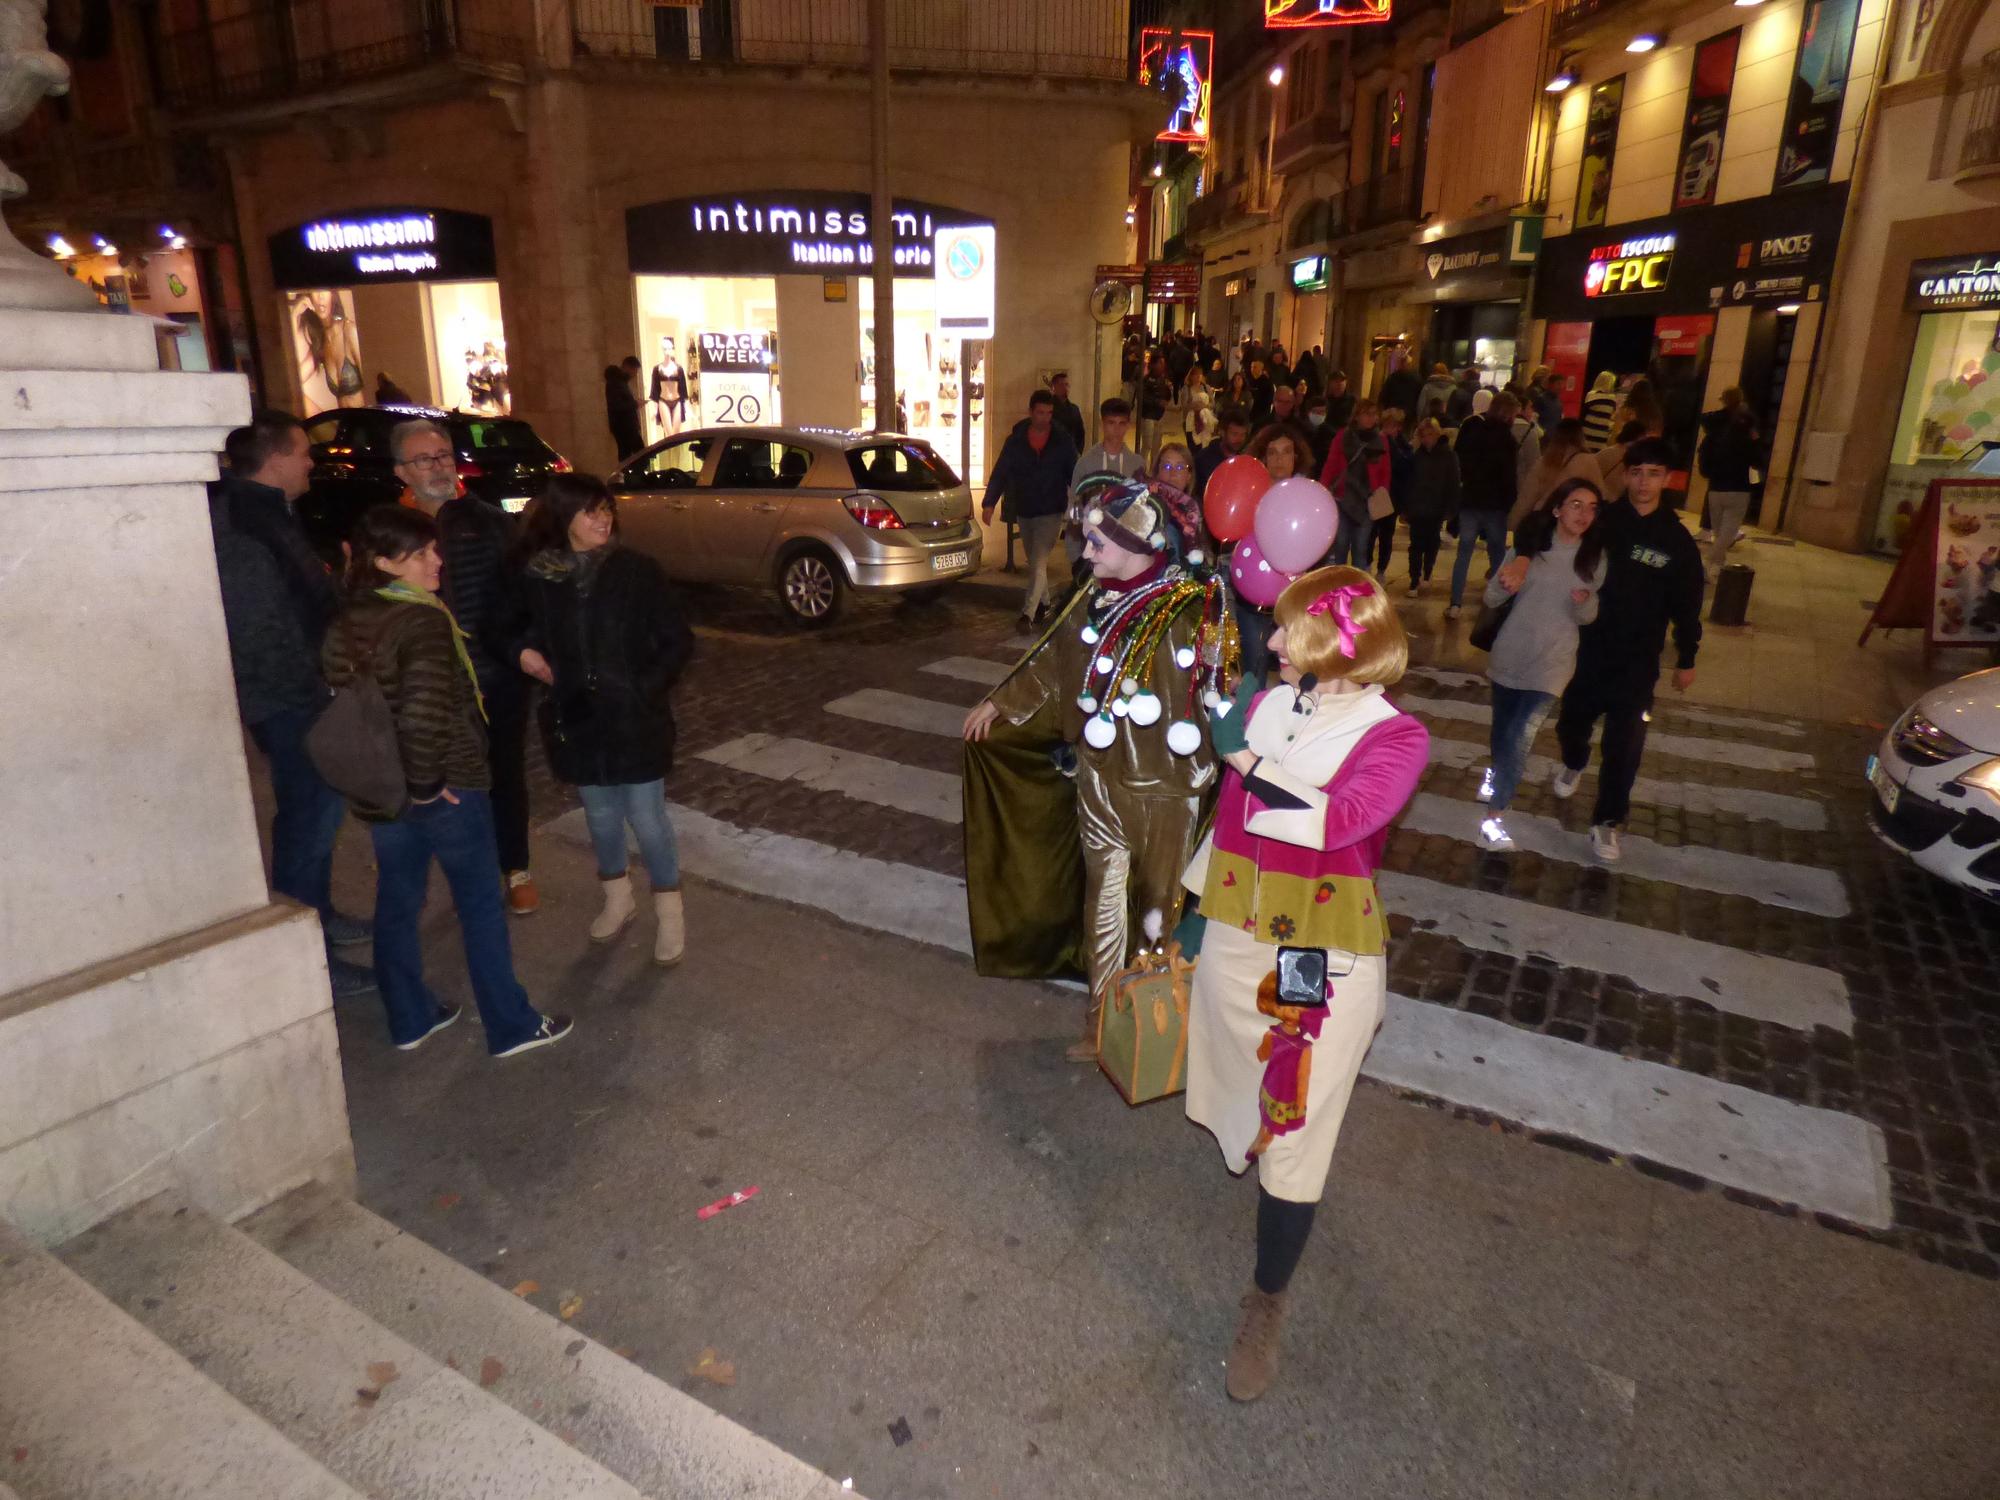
x: 1450, y: 677
x: 866, y: 778
x: 970, y: 669
x: 1788, y: 1152
x: 1755, y: 803
x: 1797, y: 995
x: 1658, y: 742
x: 901, y: 711
x: 1800, y: 887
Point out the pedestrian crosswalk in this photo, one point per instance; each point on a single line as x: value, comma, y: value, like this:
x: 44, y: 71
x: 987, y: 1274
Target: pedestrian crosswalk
x: 1737, y: 1135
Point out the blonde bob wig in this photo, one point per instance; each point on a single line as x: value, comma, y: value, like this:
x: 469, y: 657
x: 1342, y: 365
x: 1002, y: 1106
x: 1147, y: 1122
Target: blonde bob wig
x: 1312, y: 641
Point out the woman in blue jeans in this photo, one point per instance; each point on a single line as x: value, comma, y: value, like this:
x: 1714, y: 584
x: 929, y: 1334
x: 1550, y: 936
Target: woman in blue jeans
x: 1552, y: 573
x: 396, y: 629
x: 607, y: 635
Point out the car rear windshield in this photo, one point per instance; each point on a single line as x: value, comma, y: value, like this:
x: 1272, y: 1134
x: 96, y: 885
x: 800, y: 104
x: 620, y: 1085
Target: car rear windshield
x: 500, y: 432
x: 900, y: 466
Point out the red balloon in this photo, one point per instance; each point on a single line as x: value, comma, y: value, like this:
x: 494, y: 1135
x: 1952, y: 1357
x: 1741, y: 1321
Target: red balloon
x: 1229, y: 503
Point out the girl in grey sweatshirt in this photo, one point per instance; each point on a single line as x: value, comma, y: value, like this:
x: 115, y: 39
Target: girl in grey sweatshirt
x: 1552, y: 573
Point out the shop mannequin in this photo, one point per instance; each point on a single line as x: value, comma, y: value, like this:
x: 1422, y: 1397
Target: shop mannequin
x: 669, y: 394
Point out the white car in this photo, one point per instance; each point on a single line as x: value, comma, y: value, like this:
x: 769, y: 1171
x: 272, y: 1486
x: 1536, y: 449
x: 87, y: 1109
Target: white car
x: 1937, y: 783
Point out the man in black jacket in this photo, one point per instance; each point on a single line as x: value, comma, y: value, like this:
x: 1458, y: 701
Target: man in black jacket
x: 1487, y: 480
x: 483, y: 593
x: 277, y: 602
x: 1728, y: 453
x: 1233, y: 435
x: 1655, y: 580
x: 1068, y: 417
x: 1029, y: 482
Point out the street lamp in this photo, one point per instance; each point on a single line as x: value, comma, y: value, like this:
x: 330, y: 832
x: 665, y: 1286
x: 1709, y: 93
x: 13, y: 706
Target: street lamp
x: 1275, y: 77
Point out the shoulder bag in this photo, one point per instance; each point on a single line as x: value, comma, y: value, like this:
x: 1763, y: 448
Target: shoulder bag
x: 1486, y: 629
x: 354, y: 748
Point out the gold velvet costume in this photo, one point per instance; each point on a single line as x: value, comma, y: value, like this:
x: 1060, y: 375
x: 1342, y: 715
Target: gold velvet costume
x: 1062, y: 876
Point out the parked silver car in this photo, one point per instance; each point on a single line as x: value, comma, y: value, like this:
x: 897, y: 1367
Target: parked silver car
x: 810, y: 513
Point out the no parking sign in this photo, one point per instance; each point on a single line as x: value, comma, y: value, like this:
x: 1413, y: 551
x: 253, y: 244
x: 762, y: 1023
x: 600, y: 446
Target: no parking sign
x: 962, y: 271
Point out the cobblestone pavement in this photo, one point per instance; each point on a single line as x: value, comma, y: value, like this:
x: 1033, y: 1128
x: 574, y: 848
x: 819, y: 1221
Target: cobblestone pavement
x: 1920, y: 961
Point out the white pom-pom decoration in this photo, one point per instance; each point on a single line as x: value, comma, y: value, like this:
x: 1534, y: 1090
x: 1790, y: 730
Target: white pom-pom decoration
x: 1089, y: 634
x: 1094, y: 517
x: 1145, y: 708
x: 1158, y: 539
x: 1222, y: 709
x: 1129, y: 686
x: 1118, y: 707
x: 1183, y: 738
x: 1104, y: 666
x: 1100, y: 731
x: 1087, y: 703
x: 1212, y: 699
x: 1154, y: 924
x: 1197, y: 556
x: 1184, y: 658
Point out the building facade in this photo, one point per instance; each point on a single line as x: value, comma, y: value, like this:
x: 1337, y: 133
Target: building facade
x: 1902, y: 394
x: 489, y: 201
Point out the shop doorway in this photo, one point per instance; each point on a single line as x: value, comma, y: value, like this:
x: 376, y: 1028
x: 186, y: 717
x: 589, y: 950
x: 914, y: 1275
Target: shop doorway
x: 1475, y: 333
x: 937, y: 398
x: 1950, y: 417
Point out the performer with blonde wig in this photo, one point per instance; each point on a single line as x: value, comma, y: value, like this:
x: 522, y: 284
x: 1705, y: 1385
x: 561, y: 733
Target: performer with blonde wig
x: 1317, y: 769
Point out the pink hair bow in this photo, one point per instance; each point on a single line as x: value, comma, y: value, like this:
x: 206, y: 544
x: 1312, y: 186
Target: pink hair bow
x: 1337, y: 602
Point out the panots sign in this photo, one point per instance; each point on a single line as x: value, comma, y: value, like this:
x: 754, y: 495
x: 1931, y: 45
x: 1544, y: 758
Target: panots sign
x: 1959, y: 282
x: 781, y: 233
x: 384, y: 244
x: 1640, y: 265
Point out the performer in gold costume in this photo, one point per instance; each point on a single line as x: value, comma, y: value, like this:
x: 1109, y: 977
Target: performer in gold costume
x: 1088, y: 771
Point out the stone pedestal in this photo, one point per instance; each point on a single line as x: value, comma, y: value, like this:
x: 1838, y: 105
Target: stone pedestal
x: 162, y: 1021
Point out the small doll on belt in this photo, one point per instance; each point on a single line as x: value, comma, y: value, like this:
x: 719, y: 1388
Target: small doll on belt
x: 1286, y: 1052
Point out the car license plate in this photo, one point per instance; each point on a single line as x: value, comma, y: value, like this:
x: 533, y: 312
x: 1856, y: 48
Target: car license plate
x: 944, y: 562
x: 1885, y: 786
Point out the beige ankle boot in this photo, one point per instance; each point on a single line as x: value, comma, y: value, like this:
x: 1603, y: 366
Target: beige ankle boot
x: 618, y: 910
x: 670, y: 940
x: 1253, y: 1358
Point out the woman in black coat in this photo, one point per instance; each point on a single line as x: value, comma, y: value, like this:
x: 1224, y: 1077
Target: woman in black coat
x: 607, y: 635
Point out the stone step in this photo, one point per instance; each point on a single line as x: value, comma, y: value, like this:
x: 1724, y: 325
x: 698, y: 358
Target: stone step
x: 665, y: 1442
x: 93, y: 1407
x: 381, y: 1414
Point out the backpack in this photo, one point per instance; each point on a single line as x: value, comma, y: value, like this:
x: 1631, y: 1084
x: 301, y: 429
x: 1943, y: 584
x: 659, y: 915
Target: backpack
x: 354, y: 748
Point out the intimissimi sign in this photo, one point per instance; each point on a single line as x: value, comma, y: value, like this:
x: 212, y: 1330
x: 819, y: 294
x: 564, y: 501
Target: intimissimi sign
x: 383, y: 244
x: 781, y: 234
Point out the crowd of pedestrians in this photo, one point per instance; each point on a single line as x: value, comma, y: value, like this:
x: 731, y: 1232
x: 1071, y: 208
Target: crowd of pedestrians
x: 445, y: 615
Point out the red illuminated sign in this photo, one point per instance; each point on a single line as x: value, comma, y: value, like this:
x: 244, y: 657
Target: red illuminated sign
x: 1284, y: 14
x: 1640, y: 265
x: 1179, y: 64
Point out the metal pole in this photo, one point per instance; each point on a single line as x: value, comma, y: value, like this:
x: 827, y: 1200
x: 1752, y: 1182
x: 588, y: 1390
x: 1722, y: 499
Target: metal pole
x: 881, y: 226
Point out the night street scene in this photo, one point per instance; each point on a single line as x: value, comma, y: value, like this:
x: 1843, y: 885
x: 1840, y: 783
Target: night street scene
x: 976, y: 749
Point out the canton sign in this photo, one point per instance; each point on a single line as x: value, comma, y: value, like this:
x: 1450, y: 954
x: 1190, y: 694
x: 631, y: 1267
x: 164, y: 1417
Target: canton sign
x: 1959, y: 282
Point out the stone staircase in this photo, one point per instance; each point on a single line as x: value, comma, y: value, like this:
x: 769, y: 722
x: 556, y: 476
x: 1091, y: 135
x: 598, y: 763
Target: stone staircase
x: 315, y: 1351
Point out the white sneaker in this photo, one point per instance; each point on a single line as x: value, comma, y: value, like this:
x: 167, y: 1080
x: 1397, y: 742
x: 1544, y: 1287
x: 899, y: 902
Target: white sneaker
x: 1485, y: 792
x: 1604, y: 842
x: 1563, y: 784
x: 1493, y: 834
x: 1451, y: 612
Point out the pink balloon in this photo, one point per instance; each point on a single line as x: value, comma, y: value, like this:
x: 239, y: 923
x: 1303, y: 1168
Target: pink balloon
x: 1295, y: 523
x: 1252, y: 575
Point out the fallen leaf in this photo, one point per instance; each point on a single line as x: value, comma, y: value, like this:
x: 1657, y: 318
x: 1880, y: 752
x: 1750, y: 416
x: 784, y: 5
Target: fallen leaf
x: 570, y: 1306
x: 714, y: 1369
x: 447, y: 1200
x: 527, y: 1287
x: 573, y: 1348
x: 451, y: 1361
x: 490, y: 1370
x: 381, y: 1372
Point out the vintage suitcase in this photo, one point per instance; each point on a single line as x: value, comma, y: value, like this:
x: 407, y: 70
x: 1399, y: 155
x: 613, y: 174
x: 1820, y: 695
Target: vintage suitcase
x: 1142, y: 1030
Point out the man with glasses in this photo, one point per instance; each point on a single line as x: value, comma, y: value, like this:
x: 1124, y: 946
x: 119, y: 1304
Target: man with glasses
x: 482, y: 591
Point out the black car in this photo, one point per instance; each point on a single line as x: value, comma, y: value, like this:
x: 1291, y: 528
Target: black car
x: 500, y: 459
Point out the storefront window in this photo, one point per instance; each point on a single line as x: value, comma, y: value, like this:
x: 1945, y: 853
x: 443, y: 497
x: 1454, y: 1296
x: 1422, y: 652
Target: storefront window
x: 734, y: 313
x: 470, y: 347
x: 1950, y: 415
x: 934, y: 393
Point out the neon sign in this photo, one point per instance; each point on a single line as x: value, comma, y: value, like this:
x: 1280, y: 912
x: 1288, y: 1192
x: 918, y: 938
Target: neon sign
x: 1179, y: 64
x: 1640, y: 265
x: 1291, y: 14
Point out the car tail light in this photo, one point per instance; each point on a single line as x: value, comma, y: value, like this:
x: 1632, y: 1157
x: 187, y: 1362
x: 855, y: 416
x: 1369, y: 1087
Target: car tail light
x: 471, y: 469
x: 560, y: 466
x: 873, y: 512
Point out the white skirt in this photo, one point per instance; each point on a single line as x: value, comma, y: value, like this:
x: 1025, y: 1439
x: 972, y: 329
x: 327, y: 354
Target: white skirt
x: 1224, y: 1075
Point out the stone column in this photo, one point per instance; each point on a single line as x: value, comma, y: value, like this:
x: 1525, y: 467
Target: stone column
x: 163, y: 1023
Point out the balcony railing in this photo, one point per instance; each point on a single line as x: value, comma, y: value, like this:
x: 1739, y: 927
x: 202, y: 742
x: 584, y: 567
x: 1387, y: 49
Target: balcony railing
x: 1238, y: 198
x: 1044, y: 38
x: 1312, y: 139
x: 1570, y: 15
x: 291, y: 47
x: 1979, y: 156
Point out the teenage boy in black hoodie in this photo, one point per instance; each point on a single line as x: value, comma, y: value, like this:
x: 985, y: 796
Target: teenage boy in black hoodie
x: 1655, y: 581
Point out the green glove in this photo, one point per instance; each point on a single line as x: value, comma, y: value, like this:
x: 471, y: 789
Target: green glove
x: 1229, y: 725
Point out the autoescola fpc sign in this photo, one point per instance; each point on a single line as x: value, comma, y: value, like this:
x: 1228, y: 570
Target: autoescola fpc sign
x: 1640, y: 265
